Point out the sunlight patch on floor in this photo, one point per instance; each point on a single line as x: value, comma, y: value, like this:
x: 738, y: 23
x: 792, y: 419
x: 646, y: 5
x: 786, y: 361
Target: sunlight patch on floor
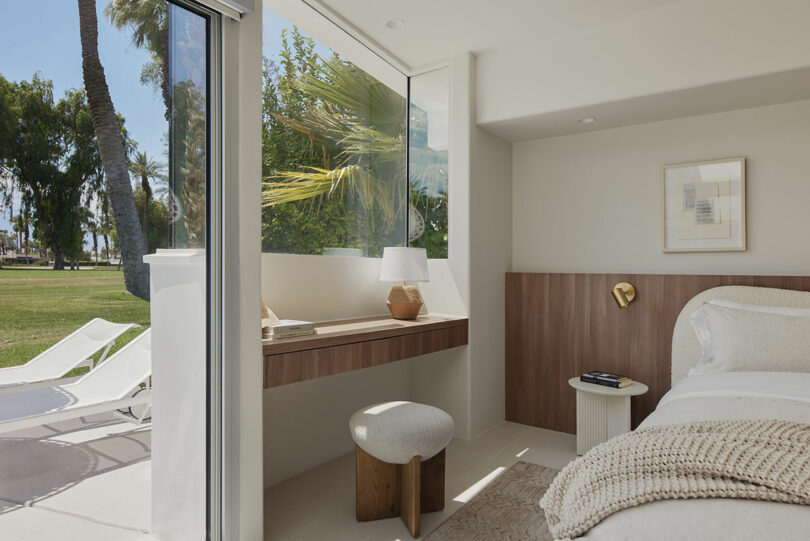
x: 468, y: 494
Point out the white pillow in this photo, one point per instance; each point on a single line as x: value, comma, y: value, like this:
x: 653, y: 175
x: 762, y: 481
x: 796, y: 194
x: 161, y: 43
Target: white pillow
x: 783, y: 310
x: 700, y: 323
x: 761, y: 339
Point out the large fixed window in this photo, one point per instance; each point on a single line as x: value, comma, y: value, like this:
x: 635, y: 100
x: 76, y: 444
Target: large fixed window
x: 427, y: 161
x: 336, y: 145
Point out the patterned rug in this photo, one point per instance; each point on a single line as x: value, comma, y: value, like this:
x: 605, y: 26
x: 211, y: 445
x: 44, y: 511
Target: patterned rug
x: 507, y: 509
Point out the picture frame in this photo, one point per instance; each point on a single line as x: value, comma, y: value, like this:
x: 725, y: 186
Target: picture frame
x: 703, y: 206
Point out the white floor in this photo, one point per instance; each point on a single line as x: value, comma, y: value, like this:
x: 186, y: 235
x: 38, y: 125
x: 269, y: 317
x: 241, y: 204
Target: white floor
x: 87, y: 479
x: 319, y: 504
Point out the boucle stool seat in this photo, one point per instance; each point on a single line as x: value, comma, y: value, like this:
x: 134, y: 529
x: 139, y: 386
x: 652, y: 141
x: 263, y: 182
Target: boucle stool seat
x: 395, y: 432
x: 400, y: 460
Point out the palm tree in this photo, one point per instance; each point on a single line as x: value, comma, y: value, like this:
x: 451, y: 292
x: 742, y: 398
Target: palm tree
x: 146, y: 169
x: 149, y: 21
x: 359, y: 125
x: 113, y: 155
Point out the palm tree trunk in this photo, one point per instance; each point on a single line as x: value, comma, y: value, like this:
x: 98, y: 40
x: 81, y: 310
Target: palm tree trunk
x: 113, y: 157
x: 147, y: 197
x: 164, y: 68
x: 25, y: 235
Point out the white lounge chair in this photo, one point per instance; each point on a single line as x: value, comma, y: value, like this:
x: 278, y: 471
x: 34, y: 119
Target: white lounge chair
x: 112, y: 385
x: 71, y: 352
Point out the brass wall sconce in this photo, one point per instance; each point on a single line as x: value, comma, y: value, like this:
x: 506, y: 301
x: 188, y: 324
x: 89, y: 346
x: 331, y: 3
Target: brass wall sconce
x: 624, y: 294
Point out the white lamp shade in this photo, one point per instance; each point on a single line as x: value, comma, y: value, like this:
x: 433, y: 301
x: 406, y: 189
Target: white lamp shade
x: 404, y: 265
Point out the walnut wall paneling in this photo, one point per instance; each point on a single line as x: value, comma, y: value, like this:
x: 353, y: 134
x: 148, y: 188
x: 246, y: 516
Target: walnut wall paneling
x: 559, y: 325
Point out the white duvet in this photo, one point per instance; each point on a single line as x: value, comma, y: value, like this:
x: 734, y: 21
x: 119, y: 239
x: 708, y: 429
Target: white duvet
x: 730, y: 395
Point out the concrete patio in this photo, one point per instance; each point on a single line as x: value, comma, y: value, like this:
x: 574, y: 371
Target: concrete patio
x: 85, y: 479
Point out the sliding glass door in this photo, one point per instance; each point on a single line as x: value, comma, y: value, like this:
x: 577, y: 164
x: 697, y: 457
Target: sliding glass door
x: 185, y: 285
x: 109, y: 158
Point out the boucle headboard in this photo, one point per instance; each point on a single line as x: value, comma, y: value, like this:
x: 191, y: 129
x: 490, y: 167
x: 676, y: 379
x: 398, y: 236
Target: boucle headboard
x: 685, y: 346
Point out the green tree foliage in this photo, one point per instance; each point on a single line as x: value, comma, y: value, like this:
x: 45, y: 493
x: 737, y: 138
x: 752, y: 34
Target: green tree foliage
x: 333, y: 155
x: 8, y: 241
x: 428, y: 185
x: 188, y: 190
x: 157, y: 234
x: 334, y: 159
x: 146, y: 169
x: 53, y: 161
x: 51, y: 155
x: 149, y: 22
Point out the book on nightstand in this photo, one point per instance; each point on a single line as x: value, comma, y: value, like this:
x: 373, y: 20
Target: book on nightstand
x: 607, y: 379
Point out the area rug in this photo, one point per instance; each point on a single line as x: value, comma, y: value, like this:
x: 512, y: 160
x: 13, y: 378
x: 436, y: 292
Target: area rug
x: 507, y: 509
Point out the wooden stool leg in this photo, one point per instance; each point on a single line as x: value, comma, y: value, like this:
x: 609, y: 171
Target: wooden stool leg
x: 377, y: 487
x: 410, y: 491
x: 432, y: 495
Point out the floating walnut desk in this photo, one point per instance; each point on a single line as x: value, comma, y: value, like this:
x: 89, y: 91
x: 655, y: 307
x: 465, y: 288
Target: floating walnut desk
x: 352, y: 344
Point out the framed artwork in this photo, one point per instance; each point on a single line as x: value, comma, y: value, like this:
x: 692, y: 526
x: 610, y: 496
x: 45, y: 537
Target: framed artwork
x: 703, y: 206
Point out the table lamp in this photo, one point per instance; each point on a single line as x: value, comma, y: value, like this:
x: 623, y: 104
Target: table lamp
x: 404, y: 265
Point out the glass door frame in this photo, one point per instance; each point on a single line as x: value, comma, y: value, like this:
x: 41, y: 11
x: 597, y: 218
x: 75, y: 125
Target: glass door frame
x: 213, y: 249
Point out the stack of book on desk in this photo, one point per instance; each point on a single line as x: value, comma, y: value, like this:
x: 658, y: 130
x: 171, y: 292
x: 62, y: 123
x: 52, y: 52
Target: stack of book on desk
x: 604, y: 378
x: 288, y: 328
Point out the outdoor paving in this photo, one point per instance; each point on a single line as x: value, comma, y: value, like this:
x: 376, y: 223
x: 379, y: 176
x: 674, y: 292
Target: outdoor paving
x: 87, y: 479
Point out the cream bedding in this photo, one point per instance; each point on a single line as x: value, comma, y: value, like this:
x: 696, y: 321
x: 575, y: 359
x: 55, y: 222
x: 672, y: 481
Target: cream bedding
x: 748, y: 395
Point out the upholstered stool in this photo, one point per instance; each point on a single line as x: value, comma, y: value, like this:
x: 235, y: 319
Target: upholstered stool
x: 400, y: 460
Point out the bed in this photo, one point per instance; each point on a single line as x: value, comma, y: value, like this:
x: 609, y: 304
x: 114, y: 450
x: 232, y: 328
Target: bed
x: 772, y: 395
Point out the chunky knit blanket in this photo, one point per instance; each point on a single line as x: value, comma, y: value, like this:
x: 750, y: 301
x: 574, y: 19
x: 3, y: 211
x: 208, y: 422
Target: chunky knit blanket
x: 755, y: 460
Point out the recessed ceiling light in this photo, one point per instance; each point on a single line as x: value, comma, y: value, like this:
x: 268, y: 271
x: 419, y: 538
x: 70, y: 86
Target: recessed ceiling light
x: 586, y: 120
x: 395, y: 24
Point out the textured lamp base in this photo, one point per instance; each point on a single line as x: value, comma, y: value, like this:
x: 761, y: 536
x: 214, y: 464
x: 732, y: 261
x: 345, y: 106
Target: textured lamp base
x: 404, y: 302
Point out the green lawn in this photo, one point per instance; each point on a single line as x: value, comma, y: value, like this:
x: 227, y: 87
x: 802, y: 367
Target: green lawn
x: 40, y: 307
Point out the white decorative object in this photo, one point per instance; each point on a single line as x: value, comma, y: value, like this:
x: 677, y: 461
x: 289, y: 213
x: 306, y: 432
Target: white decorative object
x: 602, y: 412
x: 416, y: 224
x: 703, y: 206
x: 404, y: 265
x: 178, y: 309
x: 395, y: 432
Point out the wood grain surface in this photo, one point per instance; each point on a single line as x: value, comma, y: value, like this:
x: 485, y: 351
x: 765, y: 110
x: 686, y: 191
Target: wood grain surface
x: 355, y: 344
x: 561, y: 325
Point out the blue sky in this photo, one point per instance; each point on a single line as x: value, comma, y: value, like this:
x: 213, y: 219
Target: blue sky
x: 49, y: 43
x: 271, y: 35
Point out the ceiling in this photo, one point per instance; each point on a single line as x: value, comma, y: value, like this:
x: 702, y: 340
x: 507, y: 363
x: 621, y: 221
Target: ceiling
x: 435, y: 30
x: 747, y: 93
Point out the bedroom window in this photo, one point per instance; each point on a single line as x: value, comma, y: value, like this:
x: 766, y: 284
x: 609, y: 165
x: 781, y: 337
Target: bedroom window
x: 349, y: 165
x: 427, y: 161
x: 333, y: 151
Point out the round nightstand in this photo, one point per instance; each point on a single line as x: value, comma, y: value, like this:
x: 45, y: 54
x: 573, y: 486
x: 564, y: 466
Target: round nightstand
x: 602, y: 412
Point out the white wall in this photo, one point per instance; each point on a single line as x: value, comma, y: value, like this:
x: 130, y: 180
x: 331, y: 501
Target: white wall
x: 306, y: 424
x: 491, y: 257
x: 591, y: 202
x: 685, y: 44
x: 242, y: 490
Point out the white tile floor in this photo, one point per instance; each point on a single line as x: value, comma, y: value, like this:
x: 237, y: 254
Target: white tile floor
x: 319, y: 504
x: 87, y: 479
